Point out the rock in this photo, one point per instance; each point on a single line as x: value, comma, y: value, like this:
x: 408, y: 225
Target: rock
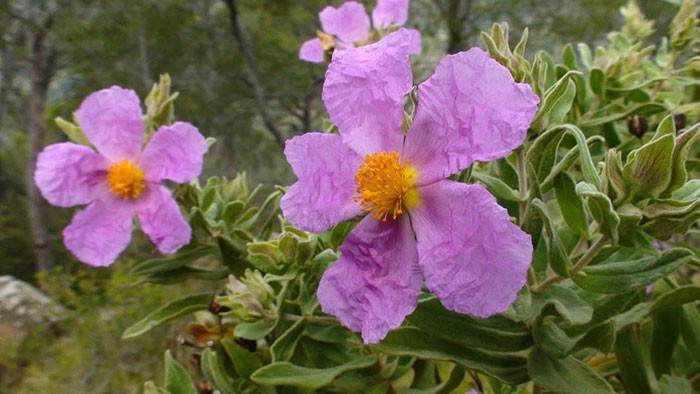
x: 23, y: 308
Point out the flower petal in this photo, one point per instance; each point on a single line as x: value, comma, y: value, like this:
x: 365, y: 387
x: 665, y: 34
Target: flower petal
x: 375, y: 283
x: 322, y: 197
x: 473, y: 258
x: 175, y: 152
x: 364, y: 91
x: 111, y: 120
x: 469, y: 109
x: 69, y: 174
x: 415, y: 46
x: 311, y: 51
x: 390, y: 12
x: 349, y: 22
x: 161, y: 219
x: 100, y: 232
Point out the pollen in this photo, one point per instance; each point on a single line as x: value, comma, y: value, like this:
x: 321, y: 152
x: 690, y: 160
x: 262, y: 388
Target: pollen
x: 125, y: 179
x: 385, y: 186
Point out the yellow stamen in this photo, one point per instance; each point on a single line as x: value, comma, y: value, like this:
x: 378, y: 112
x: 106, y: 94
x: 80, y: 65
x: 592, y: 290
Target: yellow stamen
x: 385, y: 186
x: 125, y: 179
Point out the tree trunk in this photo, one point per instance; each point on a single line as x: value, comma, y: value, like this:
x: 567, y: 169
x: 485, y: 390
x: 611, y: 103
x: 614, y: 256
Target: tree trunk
x: 245, y: 42
x: 41, y: 71
x: 457, y: 14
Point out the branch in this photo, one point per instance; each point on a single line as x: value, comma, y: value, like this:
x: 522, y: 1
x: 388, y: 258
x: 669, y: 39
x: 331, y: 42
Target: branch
x: 242, y: 36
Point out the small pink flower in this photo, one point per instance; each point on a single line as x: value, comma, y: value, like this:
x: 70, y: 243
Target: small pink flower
x: 347, y: 25
x: 121, y: 178
x: 418, y: 224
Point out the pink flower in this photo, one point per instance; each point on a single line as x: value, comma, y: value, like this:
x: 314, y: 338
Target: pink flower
x: 418, y: 224
x: 348, y: 25
x: 121, y: 178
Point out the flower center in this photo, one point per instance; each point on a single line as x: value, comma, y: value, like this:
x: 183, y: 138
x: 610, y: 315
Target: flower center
x: 385, y: 186
x: 125, y: 179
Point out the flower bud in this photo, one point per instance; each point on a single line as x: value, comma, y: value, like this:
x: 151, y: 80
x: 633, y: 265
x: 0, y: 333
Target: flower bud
x: 249, y: 300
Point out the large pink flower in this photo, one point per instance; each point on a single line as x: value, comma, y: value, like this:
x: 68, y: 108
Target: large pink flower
x: 121, y: 178
x: 349, y: 24
x: 418, y: 224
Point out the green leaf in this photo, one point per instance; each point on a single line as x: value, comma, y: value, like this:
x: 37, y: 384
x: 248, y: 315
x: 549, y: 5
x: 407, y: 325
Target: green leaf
x: 216, y: 372
x: 543, y: 152
x: 284, y: 346
x: 287, y: 374
x: 170, y: 263
x: 674, y: 385
x: 648, y: 169
x: 177, y: 380
x: 446, y: 387
x: 596, y: 80
x: 565, y: 302
x: 690, y: 330
x: 557, y: 256
x: 601, y: 338
x: 255, y: 330
x: 571, y: 204
x: 406, y: 341
x: 177, y: 308
x: 556, y: 102
x: 73, y: 132
x: 495, y: 333
x: 630, y: 360
x: 569, y: 57
x: 679, y: 175
x: 244, y: 362
x: 664, y: 339
x: 567, y: 375
x: 552, y: 339
x: 623, y: 276
x: 601, y: 209
x: 496, y: 186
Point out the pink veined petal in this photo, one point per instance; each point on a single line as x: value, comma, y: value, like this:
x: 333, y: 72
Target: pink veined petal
x: 349, y: 22
x: 375, y: 283
x: 100, y: 232
x: 69, y: 174
x: 414, y: 47
x: 312, y: 51
x: 111, y: 120
x: 390, y: 12
x: 473, y: 258
x: 175, y: 152
x: 469, y: 109
x: 322, y: 196
x: 364, y: 91
x: 161, y: 219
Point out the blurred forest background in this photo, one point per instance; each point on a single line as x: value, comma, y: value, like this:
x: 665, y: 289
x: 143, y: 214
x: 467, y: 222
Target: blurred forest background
x: 235, y: 65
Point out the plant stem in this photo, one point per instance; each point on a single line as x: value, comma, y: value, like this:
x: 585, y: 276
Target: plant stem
x: 522, y: 184
x: 585, y: 259
x: 310, y: 319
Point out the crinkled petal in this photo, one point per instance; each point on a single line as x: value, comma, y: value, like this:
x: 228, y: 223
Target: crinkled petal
x: 469, y: 109
x: 390, y: 12
x: 364, y: 91
x: 111, y: 120
x: 473, y: 258
x: 175, y: 152
x: 322, y: 195
x: 100, y: 232
x: 349, y: 22
x: 375, y: 283
x: 161, y: 219
x: 415, y: 46
x: 312, y: 51
x: 68, y: 174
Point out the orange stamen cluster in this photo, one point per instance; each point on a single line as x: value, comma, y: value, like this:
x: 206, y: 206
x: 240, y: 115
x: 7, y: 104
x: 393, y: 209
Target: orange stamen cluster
x: 385, y: 186
x: 125, y: 179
